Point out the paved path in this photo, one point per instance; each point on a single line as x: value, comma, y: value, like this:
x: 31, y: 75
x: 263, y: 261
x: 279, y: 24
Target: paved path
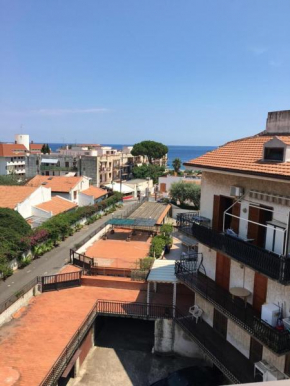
x: 49, y: 263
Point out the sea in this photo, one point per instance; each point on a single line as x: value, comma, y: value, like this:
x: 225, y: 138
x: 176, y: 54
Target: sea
x: 185, y: 153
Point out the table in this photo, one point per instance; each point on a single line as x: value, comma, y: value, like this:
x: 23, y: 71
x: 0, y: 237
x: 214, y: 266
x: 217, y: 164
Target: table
x: 241, y: 293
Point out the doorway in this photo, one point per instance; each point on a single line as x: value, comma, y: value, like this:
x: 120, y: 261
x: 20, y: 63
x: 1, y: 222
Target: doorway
x: 220, y: 323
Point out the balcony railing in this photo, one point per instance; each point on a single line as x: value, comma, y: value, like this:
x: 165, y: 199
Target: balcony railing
x: 275, y: 266
x: 236, y: 367
x: 234, y: 308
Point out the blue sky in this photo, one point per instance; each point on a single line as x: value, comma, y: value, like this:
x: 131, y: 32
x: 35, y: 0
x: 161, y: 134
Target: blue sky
x: 182, y: 72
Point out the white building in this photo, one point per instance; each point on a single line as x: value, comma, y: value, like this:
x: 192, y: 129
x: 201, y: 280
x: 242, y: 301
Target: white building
x: 13, y: 156
x: 64, y: 186
x: 243, y: 284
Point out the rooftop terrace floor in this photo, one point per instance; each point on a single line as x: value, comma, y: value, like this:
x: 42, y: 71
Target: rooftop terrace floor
x: 117, y: 252
x: 33, y: 340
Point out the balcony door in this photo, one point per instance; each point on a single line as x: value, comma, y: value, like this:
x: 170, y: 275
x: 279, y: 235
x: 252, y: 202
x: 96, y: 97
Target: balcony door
x: 259, y: 215
x: 223, y: 270
x: 220, y: 205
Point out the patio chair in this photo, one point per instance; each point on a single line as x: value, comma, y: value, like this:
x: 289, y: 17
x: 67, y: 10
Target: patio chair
x: 195, y: 312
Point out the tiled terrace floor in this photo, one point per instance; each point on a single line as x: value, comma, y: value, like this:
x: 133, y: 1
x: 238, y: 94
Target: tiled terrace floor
x: 117, y: 252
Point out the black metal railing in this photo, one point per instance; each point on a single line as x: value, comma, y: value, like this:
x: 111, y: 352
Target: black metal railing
x: 234, y: 365
x: 60, y: 281
x: 82, y: 261
x: 58, y: 368
x: 234, y: 308
x: 275, y: 266
x: 18, y: 294
x: 138, y: 310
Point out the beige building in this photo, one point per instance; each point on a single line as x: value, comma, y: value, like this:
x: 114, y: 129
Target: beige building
x: 242, y: 279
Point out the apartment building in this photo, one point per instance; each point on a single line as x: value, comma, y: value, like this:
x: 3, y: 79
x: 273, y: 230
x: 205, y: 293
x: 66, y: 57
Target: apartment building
x: 102, y: 164
x: 241, y: 279
x: 13, y: 156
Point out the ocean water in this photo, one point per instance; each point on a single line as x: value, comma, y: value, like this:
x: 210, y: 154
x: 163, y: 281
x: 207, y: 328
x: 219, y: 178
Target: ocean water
x: 185, y: 153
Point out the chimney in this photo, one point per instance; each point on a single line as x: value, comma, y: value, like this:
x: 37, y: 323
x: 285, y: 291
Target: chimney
x: 278, y: 122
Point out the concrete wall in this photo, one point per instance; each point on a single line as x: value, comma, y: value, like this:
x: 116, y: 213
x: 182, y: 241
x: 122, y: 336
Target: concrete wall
x: 3, y: 164
x: 208, y: 309
x: 238, y: 338
x: 278, y: 362
x: 21, y: 302
x: 169, y: 338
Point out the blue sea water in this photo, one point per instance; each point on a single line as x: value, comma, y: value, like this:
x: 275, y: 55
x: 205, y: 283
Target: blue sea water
x: 185, y: 153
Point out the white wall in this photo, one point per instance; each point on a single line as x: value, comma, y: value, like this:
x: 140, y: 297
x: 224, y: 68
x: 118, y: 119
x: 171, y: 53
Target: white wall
x: 85, y: 200
x: 41, y: 213
x: 39, y: 196
x: 219, y: 184
x: 208, y: 309
x: 238, y: 338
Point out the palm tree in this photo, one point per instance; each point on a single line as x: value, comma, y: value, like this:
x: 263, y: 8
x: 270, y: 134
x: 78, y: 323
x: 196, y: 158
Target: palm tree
x: 176, y: 163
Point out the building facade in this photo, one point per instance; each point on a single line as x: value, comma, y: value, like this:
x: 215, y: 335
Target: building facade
x: 242, y: 282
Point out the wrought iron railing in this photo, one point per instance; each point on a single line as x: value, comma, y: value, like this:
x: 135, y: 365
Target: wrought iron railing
x: 275, y: 266
x: 62, y: 280
x: 129, y: 309
x: 234, y: 308
x: 82, y: 261
x: 236, y: 367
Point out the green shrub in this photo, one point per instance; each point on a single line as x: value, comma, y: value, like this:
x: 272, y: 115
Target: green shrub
x: 25, y: 261
x: 157, y: 246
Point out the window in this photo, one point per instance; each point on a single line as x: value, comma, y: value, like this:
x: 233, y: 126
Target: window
x: 66, y: 164
x: 274, y: 154
x: 75, y: 195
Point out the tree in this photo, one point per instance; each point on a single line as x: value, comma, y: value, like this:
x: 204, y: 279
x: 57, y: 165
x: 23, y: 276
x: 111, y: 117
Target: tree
x: 176, y: 163
x: 184, y: 191
x: 45, y: 149
x: 150, y: 149
x: 151, y: 171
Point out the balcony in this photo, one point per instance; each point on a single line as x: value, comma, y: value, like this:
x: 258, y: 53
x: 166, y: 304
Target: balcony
x: 236, y: 367
x: 274, y: 266
x: 233, y: 308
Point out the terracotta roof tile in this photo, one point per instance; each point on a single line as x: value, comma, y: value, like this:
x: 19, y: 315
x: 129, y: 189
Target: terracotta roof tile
x: 57, y: 205
x: 10, y: 196
x: 244, y: 156
x: 12, y: 150
x: 95, y: 192
x: 56, y: 183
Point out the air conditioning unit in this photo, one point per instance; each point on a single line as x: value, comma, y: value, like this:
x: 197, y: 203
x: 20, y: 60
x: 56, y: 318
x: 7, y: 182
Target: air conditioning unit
x: 236, y: 191
x: 264, y: 372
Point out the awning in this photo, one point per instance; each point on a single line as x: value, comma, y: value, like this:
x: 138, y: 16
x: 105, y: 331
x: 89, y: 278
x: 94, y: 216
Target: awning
x: 163, y: 271
x: 132, y: 222
x: 49, y: 161
x: 116, y: 188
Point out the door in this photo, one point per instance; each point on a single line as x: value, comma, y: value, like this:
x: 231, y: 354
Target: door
x: 162, y: 187
x: 260, y: 291
x: 220, y: 205
x: 256, y: 351
x: 223, y: 270
x: 259, y: 215
x: 220, y: 323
